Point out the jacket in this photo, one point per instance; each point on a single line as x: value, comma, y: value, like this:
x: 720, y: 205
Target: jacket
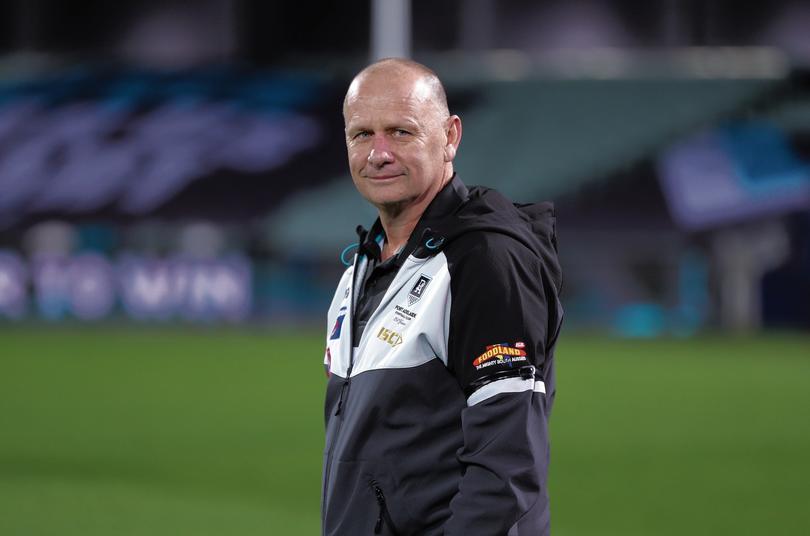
x: 436, y: 423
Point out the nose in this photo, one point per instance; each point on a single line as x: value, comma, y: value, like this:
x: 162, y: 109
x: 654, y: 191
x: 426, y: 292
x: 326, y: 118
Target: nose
x: 380, y: 153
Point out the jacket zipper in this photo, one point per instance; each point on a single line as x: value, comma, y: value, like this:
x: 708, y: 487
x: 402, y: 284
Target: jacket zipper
x: 383, y: 516
x: 344, y: 389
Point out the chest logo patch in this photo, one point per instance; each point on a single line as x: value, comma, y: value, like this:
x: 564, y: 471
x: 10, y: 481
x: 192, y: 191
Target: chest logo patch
x: 391, y: 337
x: 402, y: 315
x: 418, y: 289
x: 338, y: 325
x: 500, y: 354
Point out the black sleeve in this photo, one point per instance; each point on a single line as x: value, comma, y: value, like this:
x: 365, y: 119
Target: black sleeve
x: 496, y: 349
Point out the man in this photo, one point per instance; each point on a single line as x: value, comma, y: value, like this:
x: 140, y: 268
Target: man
x: 441, y: 333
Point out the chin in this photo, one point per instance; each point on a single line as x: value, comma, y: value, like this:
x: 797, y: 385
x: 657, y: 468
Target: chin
x: 385, y: 196
x: 384, y: 201
x: 381, y: 199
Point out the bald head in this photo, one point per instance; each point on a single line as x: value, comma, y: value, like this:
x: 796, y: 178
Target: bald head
x: 419, y: 81
x: 400, y: 138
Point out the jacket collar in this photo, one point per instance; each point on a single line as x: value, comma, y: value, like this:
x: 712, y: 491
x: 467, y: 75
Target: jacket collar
x: 424, y: 241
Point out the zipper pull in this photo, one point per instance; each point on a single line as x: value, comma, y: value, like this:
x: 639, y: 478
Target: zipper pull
x: 381, y: 502
x: 340, y: 399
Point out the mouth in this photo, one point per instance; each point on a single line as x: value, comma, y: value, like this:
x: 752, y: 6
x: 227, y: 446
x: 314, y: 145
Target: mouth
x: 380, y: 178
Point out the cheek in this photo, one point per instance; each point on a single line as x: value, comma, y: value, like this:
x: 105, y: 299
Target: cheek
x: 357, y: 158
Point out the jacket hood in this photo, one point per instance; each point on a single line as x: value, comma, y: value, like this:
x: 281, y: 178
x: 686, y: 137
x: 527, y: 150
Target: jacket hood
x: 485, y: 209
x: 457, y: 210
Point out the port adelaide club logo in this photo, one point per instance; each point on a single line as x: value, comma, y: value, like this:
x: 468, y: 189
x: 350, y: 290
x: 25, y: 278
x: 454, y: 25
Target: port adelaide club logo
x: 418, y: 289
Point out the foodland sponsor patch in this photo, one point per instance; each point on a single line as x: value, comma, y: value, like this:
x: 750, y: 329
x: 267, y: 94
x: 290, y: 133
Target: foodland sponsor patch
x: 499, y: 354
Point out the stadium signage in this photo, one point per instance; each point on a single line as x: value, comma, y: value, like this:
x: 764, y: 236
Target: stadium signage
x: 87, y: 141
x: 90, y: 287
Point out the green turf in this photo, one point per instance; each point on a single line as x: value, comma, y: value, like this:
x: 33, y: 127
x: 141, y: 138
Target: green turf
x: 172, y: 432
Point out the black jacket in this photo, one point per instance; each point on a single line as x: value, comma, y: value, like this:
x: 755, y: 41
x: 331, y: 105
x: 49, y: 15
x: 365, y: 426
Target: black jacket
x: 436, y: 423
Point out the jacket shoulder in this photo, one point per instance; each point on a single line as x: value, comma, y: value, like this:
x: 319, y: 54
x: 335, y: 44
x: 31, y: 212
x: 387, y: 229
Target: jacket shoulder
x: 485, y: 245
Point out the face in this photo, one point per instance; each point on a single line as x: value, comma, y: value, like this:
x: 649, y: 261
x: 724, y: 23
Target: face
x: 397, y: 141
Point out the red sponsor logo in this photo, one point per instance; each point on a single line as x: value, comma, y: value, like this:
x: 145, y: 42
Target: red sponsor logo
x: 498, y: 351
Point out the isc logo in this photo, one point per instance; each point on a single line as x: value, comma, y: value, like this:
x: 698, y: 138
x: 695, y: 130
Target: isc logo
x: 391, y: 337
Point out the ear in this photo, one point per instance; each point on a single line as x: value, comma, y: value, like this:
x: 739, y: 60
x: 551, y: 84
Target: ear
x: 453, y: 132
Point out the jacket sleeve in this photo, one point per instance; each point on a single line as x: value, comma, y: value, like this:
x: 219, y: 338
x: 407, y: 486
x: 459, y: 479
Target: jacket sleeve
x: 497, y: 349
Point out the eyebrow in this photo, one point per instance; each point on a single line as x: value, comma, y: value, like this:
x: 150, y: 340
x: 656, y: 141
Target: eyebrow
x: 405, y: 123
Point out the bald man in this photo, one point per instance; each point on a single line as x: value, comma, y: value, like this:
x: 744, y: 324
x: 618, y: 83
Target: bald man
x: 441, y: 333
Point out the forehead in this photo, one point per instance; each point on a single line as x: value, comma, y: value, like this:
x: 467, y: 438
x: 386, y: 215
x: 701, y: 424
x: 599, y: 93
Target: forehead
x: 370, y: 99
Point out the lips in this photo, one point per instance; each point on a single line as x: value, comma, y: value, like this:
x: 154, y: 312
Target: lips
x: 383, y: 177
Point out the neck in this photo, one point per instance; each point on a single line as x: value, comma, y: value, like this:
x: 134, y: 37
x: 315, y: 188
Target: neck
x: 397, y: 231
x: 400, y: 219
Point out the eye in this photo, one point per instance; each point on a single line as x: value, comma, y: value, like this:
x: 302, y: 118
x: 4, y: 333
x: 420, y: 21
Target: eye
x: 401, y: 132
x: 362, y: 134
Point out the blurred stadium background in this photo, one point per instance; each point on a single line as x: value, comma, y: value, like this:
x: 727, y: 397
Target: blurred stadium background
x: 174, y: 199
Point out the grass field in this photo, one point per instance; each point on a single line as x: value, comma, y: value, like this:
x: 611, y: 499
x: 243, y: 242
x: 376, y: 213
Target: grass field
x: 174, y: 432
